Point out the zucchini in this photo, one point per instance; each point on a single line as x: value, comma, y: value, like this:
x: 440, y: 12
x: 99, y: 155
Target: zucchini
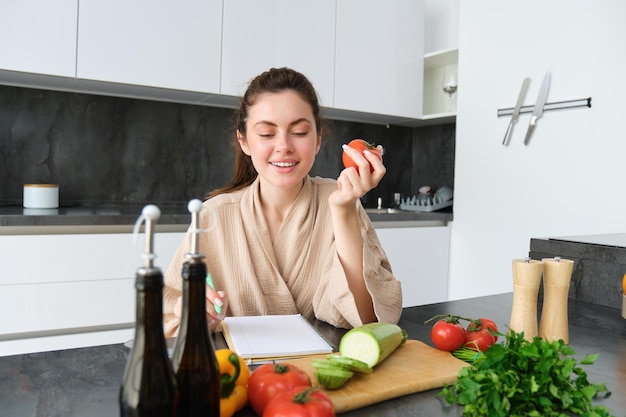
x: 326, y: 364
x: 350, y: 364
x: 372, y: 343
x: 336, y: 370
x: 333, y: 377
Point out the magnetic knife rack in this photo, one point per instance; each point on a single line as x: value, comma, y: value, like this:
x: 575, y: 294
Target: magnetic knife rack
x: 557, y: 105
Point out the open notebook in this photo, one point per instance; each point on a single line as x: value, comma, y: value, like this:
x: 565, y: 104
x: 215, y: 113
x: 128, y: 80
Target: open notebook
x: 264, y: 338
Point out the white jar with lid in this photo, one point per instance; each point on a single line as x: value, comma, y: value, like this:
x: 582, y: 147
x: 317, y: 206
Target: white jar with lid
x: 41, y: 196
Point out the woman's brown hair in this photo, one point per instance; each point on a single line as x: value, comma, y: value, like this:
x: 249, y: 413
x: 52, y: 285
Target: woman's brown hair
x: 274, y: 80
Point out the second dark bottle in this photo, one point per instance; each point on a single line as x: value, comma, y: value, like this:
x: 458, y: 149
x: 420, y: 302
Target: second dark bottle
x: 193, y: 359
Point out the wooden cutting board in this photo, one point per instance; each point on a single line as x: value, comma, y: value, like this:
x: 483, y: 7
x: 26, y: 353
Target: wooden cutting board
x: 413, y: 367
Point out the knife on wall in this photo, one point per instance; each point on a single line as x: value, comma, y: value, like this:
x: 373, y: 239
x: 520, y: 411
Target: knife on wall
x: 515, y: 116
x: 538, y: 109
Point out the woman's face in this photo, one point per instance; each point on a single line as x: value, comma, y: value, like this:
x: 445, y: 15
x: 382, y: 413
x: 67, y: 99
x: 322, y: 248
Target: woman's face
x: 281, y: 138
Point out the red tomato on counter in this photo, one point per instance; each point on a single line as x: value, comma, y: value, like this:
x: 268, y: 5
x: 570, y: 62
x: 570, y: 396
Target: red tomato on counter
x: 300, y: 402
x: 360, y: 145
x: 447, y: 335
x: 490, y: 324
x: 271, y: 379
x: 478, y: 336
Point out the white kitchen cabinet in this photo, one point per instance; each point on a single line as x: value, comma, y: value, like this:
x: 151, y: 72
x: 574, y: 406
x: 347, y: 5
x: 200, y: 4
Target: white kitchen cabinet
x: 258, y: 35
x: 38, y: 36
x: 441, y: 40
x: 380, y: 57
x: 364, y: 57
x: 419, y: 258
x: 165, y: 44
x: 441, y: 25
x: 56, y: 288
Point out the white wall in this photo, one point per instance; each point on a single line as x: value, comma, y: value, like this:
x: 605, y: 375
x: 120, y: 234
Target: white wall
x: 570, y: 179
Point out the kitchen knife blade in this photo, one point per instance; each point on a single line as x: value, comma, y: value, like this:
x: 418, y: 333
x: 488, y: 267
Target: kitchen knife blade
x: 518, y: 106
x: 538, y: 109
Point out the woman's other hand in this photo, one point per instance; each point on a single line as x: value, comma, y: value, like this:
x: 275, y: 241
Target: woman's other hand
x: 353, y: 184
x: 213, y: 299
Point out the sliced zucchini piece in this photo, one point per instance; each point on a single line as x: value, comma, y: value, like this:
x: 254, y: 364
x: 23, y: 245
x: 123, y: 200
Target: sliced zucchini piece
x: 326, y: 364
x: 352, y: 364
x: 331, y: 378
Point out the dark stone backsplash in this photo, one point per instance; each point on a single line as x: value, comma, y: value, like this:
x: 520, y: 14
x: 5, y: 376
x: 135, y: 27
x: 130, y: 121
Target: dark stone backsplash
x: 108, y: 150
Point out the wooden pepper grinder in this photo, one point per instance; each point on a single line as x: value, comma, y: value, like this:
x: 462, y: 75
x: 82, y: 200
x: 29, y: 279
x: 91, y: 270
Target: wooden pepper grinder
x: 526, y: 280
x: 556, y: 280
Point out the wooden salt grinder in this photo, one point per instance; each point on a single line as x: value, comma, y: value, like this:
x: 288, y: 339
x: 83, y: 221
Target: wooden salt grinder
x: 526, y: 280
x: 556, y: 279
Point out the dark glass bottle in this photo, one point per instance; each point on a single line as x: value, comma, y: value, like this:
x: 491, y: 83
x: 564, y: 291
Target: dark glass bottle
x: 149, y: 386
x: 193, y: 359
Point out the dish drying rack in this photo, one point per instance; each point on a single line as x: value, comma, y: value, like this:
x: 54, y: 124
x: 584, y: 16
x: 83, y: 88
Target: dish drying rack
x: 424, y: 204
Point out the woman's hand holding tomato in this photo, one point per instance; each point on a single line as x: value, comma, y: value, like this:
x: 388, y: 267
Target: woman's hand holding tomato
x: 364, y: 170
x: 350, y: 159
x: 271, y: 379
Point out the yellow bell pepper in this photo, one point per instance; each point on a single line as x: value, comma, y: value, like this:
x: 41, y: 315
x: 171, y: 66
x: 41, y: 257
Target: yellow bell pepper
x: 234, y: 374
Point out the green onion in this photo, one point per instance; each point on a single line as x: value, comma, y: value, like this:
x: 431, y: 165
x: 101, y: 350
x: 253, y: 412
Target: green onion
x: 468, y: 355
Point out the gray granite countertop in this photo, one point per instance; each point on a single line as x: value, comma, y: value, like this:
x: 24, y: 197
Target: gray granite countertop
x: 84, y: 215
x: 175, y: 216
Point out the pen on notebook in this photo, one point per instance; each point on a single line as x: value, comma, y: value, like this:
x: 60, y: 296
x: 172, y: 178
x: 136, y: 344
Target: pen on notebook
x: 209, y: 280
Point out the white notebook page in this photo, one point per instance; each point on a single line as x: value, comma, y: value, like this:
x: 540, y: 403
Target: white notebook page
x: 273, y: 336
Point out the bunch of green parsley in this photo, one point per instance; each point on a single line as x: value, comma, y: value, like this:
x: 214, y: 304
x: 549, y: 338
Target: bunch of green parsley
x: 527, y: 378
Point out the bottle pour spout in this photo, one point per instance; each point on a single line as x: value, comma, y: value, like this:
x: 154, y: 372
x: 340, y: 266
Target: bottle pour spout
x: 194, y: 207
x: 150, y: 214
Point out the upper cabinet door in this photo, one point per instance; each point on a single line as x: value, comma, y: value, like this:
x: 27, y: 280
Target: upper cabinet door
x: 380, y: 56
x: 157, y: 43
x: 39, y: 36
x: 441, y: 25
x: 259, y: 35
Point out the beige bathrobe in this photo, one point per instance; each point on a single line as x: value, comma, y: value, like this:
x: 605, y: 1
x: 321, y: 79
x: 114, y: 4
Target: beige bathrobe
x: 299, y: 273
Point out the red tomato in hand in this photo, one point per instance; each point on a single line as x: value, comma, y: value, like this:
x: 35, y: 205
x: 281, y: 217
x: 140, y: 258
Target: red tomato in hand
x: 300, y: 402
x: 448, y: 335
x: 360, y: 145
x: 269, y: 380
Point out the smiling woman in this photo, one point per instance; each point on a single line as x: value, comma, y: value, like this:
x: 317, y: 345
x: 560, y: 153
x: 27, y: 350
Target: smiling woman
x: 281, y: 144
x: 287, y: 242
